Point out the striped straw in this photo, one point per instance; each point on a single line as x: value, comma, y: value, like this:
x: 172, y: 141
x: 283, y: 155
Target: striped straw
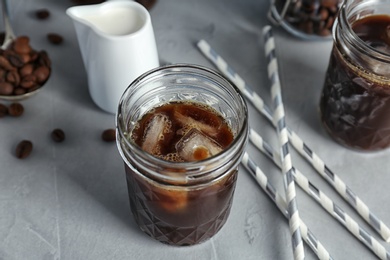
x: 269, y: 189
x: 341, y: 187
x: 321, y: 198
x: 335, y: 181
x: 279, y: 120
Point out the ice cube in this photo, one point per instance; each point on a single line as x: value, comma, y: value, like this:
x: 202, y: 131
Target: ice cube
x: 187, y: 121
x: 173, y: 200
x: 154, y: 133
x: 195, y: 146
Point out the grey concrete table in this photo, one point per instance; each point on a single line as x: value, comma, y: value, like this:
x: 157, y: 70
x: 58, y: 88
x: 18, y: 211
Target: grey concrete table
x: 69, y: 201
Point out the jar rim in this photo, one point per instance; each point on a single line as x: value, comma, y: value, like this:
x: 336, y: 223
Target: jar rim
x: 349, y: 35
x: 196, y: 171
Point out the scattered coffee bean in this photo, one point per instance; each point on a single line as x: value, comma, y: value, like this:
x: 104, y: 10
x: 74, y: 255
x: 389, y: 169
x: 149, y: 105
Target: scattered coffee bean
x: 16, y: 109
x: 42, y: 14
x: 3, y: 110
x: 58, y: 135
x: 22, y: 69
x: 23, y: 149
x: 55, y: 38
x: 109, y: 135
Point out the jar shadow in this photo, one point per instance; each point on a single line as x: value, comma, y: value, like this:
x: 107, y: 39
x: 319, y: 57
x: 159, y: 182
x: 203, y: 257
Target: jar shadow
x: 97, y: 176
x: 302, y: 82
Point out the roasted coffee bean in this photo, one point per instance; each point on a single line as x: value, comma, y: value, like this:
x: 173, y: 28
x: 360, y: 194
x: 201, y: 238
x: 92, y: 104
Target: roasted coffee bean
x: 27, y: 69
x: 2, y: 74
x: 16, y: 109
x: 148, y: 4
x: 14, y: 58
x: 22, y: 69
x: 5, y: 63
x: 109, y: 135
x: 58, y: 135
x: 55, y: 38
x: 21, y: 45
x: 6, y: 88
x: 26, y: 58
x: 311, y: 16
x: 28, y: 81
x: 34, y: 56
x: 3, y: 110
x: 42, y: 14
x: 41, y: 73
x: 43, y: 59
x: 13, y: 77
x: 23, y: 149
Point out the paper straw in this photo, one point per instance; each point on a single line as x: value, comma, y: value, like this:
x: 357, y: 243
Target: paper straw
x: 321, y: 198
x: 269, y: 189
x: 279, y: 120
x: 335, y: 181
x: 341, y: 187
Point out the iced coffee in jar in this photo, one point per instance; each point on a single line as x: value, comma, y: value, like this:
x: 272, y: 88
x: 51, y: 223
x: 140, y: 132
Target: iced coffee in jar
x: 355, y: 101
x: 181, y: 131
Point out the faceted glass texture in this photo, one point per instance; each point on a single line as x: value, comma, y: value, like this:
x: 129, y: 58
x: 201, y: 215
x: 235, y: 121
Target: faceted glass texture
x: 181, y: 216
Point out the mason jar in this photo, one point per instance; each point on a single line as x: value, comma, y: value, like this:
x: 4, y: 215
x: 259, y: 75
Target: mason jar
x: 306, y: 19
x: 355, y: 100
x: 181, y: 203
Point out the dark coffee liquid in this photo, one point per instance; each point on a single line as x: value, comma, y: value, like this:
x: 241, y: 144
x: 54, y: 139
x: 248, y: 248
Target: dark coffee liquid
x: 355, y: 106
x: 180, y: 118
x: 175, y: 214
x: 374, y: 30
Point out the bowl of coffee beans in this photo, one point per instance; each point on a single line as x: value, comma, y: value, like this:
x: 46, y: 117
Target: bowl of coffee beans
x: 23, y: 70
x: 306, y: 19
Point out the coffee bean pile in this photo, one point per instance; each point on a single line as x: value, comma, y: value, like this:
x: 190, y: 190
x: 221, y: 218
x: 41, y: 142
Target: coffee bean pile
x: 22, y: 69
x: 314, y: 17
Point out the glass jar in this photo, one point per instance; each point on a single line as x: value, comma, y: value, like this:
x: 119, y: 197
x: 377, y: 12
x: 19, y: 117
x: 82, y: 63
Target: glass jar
x: 306, y: 19
x: 355, y: 100
x: 181, y: 203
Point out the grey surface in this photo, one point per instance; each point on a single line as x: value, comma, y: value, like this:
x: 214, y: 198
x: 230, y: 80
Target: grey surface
x: 69, y: 200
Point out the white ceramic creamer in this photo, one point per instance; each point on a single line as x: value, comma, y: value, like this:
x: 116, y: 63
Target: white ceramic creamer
x: 117, y: 44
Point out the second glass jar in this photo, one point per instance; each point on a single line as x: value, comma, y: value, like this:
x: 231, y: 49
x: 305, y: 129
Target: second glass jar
x: 355, y: 101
